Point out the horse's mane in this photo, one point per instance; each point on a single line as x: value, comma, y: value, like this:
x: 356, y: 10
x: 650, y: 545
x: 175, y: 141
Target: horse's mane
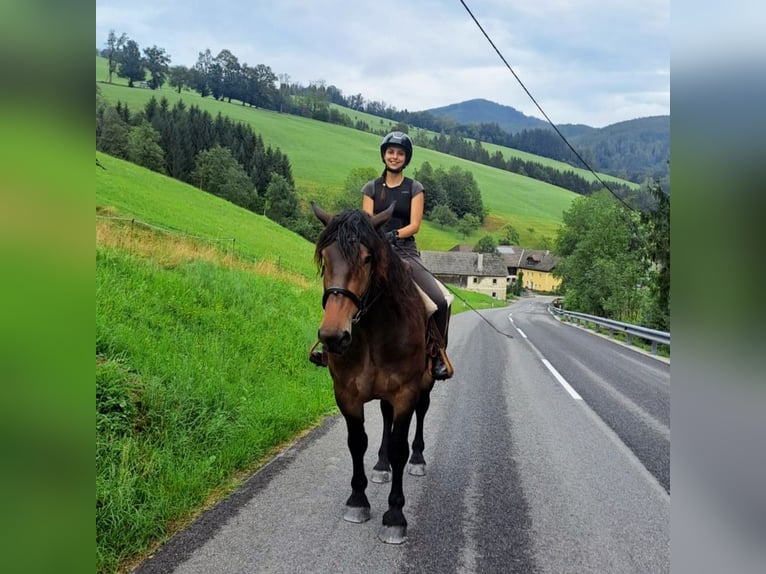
x: 391, y: 275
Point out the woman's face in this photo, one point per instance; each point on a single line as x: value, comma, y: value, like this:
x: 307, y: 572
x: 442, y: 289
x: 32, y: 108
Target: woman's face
x: 395, y: 157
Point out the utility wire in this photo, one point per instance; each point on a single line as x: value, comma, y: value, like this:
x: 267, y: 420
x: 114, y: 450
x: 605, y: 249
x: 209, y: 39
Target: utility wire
x: 531, y: 97
x: 472, y: 308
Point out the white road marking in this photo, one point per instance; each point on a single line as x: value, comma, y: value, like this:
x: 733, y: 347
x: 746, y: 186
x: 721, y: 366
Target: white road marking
x: 562, y: 380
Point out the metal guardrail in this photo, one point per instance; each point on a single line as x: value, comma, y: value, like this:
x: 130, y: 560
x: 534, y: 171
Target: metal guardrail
x: 656, y: 337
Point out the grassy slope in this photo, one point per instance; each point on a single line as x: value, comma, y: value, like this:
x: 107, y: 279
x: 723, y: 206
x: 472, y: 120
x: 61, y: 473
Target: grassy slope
x: 322, y: 155
x: 163, y: 201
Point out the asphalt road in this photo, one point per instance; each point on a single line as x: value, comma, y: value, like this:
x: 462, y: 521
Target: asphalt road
x: 547, y: 452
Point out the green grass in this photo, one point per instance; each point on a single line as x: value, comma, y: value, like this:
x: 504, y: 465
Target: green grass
x: 465, y: 301
x: 322, y: 155
x: 160, y: 200
x: 202, y: 371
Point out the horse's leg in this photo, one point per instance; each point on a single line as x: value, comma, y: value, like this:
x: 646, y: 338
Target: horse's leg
x: 381, y: 472
x: 357, y: 505
x: 417, y: 462
x: 394, y: 529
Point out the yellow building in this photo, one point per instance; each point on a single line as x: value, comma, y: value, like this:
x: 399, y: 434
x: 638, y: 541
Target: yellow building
x: 536, y: 266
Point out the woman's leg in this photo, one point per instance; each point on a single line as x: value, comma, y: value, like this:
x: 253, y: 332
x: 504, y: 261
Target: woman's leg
x: 428, y: 284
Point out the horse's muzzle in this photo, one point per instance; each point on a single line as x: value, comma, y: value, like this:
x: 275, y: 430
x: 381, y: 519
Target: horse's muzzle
x: 335, y: 341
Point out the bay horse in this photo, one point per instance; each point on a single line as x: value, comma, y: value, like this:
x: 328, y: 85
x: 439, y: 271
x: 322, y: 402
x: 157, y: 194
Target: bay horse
x: 375, y: 329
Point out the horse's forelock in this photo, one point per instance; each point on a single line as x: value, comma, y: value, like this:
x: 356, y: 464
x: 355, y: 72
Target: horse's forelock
x: 353, y: 228
x: 348, y: 230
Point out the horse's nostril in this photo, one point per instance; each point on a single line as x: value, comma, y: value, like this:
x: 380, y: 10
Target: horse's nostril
x: 336, y: 343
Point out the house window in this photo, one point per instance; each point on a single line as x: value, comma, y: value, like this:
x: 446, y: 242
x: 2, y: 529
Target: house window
x: 475, y: 280
x: 494, y: 282
x: 494, y: 295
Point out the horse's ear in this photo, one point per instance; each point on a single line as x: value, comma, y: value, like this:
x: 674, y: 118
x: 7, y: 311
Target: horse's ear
x: 321, y: 214
x: 380, y: 218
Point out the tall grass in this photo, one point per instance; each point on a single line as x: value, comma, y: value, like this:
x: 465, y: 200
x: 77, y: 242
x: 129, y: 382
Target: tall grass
x: 201, y: 371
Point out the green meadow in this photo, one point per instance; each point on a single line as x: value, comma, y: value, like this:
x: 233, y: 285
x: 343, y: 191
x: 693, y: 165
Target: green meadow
x: 205, y: 314
x: 322, y: 155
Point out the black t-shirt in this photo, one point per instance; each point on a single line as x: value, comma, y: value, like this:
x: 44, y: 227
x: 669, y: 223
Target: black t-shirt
x: 382, y: 197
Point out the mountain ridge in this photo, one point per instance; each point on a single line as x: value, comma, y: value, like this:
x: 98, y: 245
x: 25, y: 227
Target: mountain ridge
x: 634, y: 149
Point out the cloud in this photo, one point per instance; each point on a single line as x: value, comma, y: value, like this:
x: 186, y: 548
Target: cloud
x: 589, y: 61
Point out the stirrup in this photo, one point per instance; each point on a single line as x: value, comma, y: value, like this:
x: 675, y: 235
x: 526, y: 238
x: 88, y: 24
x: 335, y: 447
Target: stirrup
x: 441, y: 370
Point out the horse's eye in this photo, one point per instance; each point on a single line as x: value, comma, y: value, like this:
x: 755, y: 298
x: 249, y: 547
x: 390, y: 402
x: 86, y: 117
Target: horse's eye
x: 367, y: 259
x: 321, y: 271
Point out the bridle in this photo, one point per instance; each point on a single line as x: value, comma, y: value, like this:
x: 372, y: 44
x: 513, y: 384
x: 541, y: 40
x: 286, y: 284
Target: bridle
x: 363, y: 304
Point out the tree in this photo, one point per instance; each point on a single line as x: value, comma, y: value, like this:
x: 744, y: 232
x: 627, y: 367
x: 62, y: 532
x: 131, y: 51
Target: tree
x: 433, y: 183
x: 509, y: 235
x: 131, y: 64
x: 179, y: 77
x: 259, y: 86
x: 486, y: 244
x: 657, y: 222
x: 443, y: 215
x: 144, y: 147
x: 463, y: 195
x: 602, y: 264
x: 113, y: 132
x: 217, y: 172
x: 157, y: 62
x: 316, y: 100
x: 201, y: 73
x: 281, y: 201
x: 228, y: 75
x: 468, y: 224
x: 518, y: 285
x: 351, y: 197
x: 114, y: 45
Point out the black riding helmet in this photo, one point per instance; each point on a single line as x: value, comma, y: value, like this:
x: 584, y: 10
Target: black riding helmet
x: 400, y: 139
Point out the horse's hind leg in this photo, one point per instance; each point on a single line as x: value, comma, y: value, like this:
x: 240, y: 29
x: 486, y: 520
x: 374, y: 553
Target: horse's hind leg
x: 394, y: 529
x: 381, y: 472
x: 357, y: 505
x: 417, y: 462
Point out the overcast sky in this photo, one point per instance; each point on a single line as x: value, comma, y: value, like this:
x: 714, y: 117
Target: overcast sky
x: 594, y: 62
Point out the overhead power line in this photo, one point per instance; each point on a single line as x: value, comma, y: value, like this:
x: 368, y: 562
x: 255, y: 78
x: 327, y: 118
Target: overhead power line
x: 531, y: 97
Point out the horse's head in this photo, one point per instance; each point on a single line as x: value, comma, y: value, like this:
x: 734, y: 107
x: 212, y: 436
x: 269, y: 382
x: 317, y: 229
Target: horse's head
x: 351, y: 254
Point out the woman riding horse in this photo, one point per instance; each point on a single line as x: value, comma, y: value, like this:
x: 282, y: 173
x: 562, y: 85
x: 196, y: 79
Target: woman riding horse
x: 392, y: 188
x: 374, y: 326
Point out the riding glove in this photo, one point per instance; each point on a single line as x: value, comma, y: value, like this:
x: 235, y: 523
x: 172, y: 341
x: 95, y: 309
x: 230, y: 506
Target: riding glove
x: 392, y: 236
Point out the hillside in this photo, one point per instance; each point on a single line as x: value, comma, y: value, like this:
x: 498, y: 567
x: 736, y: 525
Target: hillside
x: 632, y: 150
x: 483, y: 111
x: 322, y: 155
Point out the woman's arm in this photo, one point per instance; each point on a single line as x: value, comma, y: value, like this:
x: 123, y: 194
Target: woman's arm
x: 368, y: 204
x: 416, y: 217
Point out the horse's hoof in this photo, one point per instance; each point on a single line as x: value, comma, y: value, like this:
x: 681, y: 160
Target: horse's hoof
x: 393, y: 534
x: 357, y: 514
x: 417, y: 469
x: 380, y: 476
